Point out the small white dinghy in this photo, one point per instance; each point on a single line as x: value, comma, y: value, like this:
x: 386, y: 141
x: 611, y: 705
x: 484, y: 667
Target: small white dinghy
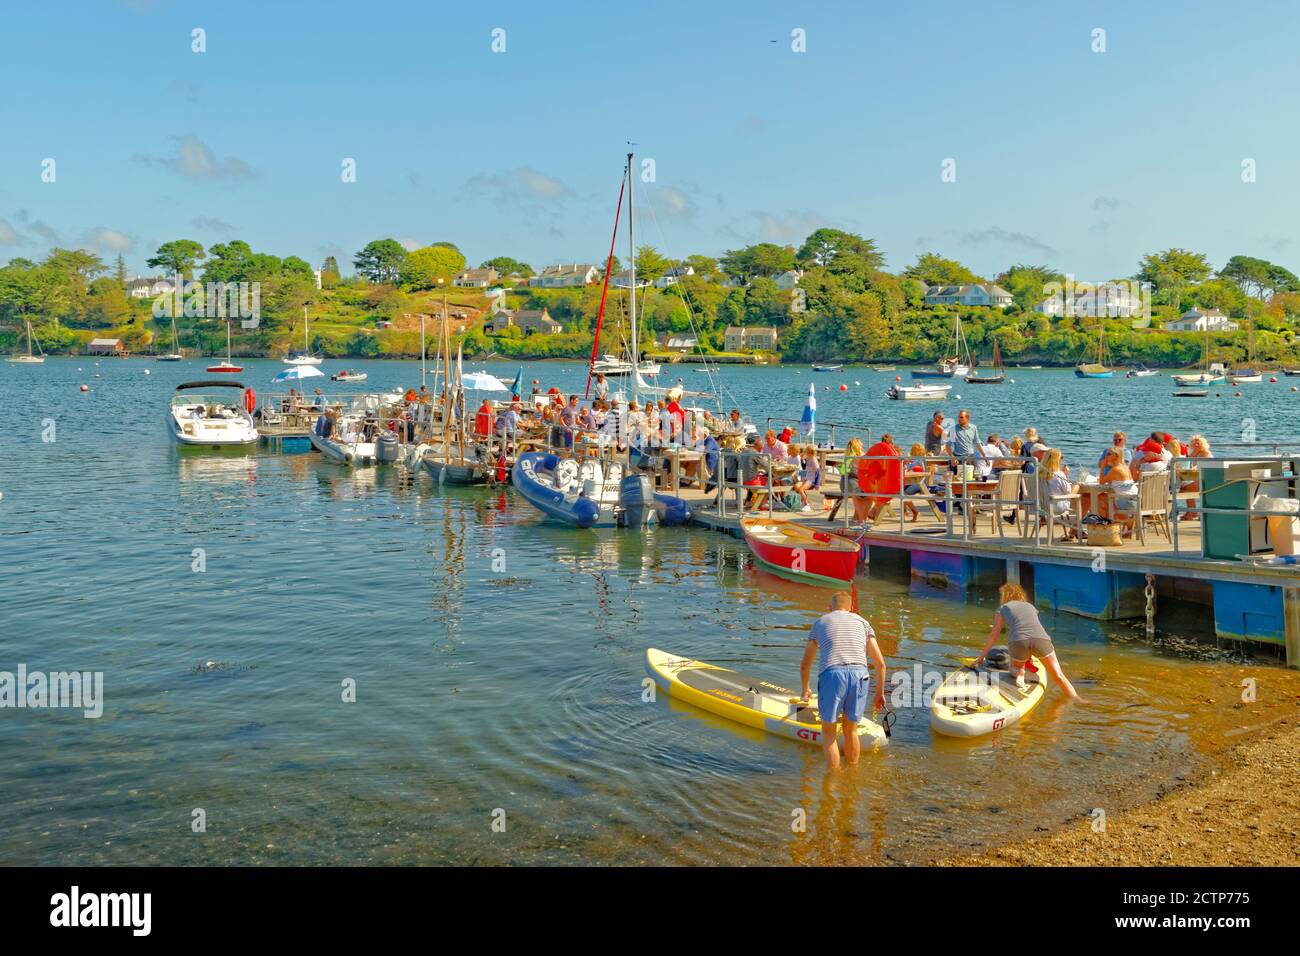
x: 917, y: 392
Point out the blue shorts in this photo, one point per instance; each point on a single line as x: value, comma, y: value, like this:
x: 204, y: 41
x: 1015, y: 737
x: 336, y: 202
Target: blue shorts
x: 843, y: 690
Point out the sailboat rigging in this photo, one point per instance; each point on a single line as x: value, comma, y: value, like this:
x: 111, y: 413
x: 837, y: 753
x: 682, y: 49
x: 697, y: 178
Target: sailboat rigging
x: 306, y: 356
x: 18, y: 358
x: 999, y: 373
x: 175, y: 354
x: 1100, y: 368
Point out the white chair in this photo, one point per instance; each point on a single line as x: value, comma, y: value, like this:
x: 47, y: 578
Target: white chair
x: 1151, y: 504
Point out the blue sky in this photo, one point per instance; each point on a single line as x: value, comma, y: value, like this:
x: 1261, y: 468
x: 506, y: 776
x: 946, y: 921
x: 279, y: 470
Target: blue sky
x: 1066, y: 157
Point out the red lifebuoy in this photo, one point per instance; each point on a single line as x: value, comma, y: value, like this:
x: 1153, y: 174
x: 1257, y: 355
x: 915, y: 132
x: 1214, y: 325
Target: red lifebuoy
x: 250, y: 400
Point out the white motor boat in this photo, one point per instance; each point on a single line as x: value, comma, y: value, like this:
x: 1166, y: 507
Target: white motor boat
x: 210, y: 414
x: 915, y: 392
x: 608, y: 365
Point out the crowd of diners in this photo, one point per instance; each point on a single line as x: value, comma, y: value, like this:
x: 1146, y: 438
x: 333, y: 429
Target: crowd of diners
x: 958, y: 454
x: 948, y: 454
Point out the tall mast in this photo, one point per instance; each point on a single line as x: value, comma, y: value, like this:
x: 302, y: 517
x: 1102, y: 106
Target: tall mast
x: 306, y: 347
x: 631, y: 245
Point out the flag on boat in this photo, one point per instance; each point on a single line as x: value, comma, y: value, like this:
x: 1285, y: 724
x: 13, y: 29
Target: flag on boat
x: 517, y: 387
x: 809, y: 420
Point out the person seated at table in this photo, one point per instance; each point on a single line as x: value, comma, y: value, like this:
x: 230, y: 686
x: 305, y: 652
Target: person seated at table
x: 1198, y: 447
x: 753, y: 471
x: 319, y: 400
x: 1058, y: 481
x: 1176, y: 448
x: 637, y: 432
x: 809, y: 476
x: 1117, y: 482
x: 483, y: 420
x: 774, y: 448
x: 877, y: 473
x: 1155, y: 457
x: 1118, y: 440
x: 506, y: 426
x: 916, y: 475
x: 989, y: 455
x: 708, y: 446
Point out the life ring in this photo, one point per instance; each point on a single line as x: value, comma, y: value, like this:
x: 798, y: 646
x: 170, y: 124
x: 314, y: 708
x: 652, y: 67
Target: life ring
x: 880, y: 478
x: 250, y: 400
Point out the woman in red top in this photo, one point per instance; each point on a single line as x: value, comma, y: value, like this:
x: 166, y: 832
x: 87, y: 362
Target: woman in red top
x: 483, y: 421
x: 880, y: 478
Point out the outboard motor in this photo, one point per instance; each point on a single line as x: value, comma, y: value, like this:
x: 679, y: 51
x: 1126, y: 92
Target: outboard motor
x: 387, y: 448
x: 636, y: 497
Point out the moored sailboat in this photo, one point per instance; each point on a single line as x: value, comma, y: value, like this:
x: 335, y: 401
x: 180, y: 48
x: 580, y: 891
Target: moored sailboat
x: 31, y: 358
x: 959, y: 363
x: 999, y: 375
x: 1098, y: 368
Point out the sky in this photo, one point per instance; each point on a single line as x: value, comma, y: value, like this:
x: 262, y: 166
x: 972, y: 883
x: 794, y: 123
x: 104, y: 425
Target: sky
x: 1064, y: 155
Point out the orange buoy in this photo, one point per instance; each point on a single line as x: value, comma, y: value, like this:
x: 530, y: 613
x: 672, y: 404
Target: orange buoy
x: 1273, y: 379
x: 86, y: 388
x: 898, y: 378
x: 843, y: 387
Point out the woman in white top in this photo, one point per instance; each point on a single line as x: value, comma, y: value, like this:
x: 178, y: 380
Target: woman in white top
x: 1058, y: 481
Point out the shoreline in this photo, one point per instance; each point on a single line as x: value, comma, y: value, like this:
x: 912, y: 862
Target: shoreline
x: 1242, y: 809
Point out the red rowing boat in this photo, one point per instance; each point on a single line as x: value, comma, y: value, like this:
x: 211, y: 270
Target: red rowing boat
x: 817, y: 557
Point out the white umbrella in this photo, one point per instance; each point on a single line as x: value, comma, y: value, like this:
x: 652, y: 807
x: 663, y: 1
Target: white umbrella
x: 483, y: 382
x: 296, y: 373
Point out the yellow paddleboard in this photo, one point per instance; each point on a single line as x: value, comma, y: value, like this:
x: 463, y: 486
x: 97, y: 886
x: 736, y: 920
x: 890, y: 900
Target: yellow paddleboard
x: 746, y: 700
x: 972, y: 703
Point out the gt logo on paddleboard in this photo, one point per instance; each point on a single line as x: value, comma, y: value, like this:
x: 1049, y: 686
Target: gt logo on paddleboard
x: 803, y: 734
x: 997, y: 724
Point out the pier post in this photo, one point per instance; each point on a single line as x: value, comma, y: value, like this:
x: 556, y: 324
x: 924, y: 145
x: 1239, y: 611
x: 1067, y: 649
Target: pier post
x: 1291, y: 621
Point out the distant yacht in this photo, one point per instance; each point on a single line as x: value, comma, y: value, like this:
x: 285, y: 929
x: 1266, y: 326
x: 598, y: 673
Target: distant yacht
x: 29, y: 359
x: 306, y: 356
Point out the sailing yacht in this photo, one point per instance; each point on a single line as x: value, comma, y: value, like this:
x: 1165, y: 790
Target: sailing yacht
x: 1248, y: 375
x: 1099, y: 368
x: 29, y: 359
x: 306, y: 356
x: 959, y: 363
x: 999, y: 373
x: 227, y: 365
x: 1209, y: 374
x: 611, y: 365
x: 175, y: 354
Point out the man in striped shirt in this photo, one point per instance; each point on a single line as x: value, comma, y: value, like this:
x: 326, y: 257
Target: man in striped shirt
x: 845, y: 642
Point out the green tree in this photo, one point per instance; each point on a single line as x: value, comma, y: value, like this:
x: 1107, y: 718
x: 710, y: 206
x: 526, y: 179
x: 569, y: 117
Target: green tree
x: 1171, y: 272
x: 381, y: 261
x: 932, y: 269
x: 425, y: 267
x: 763, y: 259
x: 1258, y: 277
x: 843, y: 253
x: 179, y: 255
x: 1028, y: 285
x: 507, y: 266
x: 650, y: 265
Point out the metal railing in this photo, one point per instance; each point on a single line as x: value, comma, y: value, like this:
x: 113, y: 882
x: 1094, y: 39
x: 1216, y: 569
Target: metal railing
x: 798, y: 423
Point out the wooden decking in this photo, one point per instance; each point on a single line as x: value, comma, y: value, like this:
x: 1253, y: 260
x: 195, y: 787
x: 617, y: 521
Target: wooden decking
x: 931, y: 533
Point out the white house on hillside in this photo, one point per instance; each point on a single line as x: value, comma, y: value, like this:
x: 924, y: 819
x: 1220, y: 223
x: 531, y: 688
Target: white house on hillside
x: 1198, y: 320
x: 565, y: 275
x: 976, y: 294
x: 673, y: 276
x: 1105, y: 299
x: 788, y: 279
x: 475, y: 278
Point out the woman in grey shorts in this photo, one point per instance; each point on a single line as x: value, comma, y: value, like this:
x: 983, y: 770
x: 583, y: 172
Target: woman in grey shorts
x: 1025, y: 638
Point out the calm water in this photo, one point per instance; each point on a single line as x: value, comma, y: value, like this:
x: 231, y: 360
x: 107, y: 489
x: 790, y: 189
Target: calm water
x: 518, y: 690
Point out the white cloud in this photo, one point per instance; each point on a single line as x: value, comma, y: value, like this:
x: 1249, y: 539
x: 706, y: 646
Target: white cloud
x: 109, y: 240
x: 409, y: 244
x: 211, y: 224
x: 522, y: 187
x: 672, y: 204
x: 8, y: 235
x: 195, y: 160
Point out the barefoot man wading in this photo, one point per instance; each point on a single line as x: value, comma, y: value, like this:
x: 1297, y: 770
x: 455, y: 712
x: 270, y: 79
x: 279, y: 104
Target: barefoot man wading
x: 846, y: 642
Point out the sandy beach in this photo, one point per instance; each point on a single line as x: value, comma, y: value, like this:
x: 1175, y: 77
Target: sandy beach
x: 1244, y: 812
